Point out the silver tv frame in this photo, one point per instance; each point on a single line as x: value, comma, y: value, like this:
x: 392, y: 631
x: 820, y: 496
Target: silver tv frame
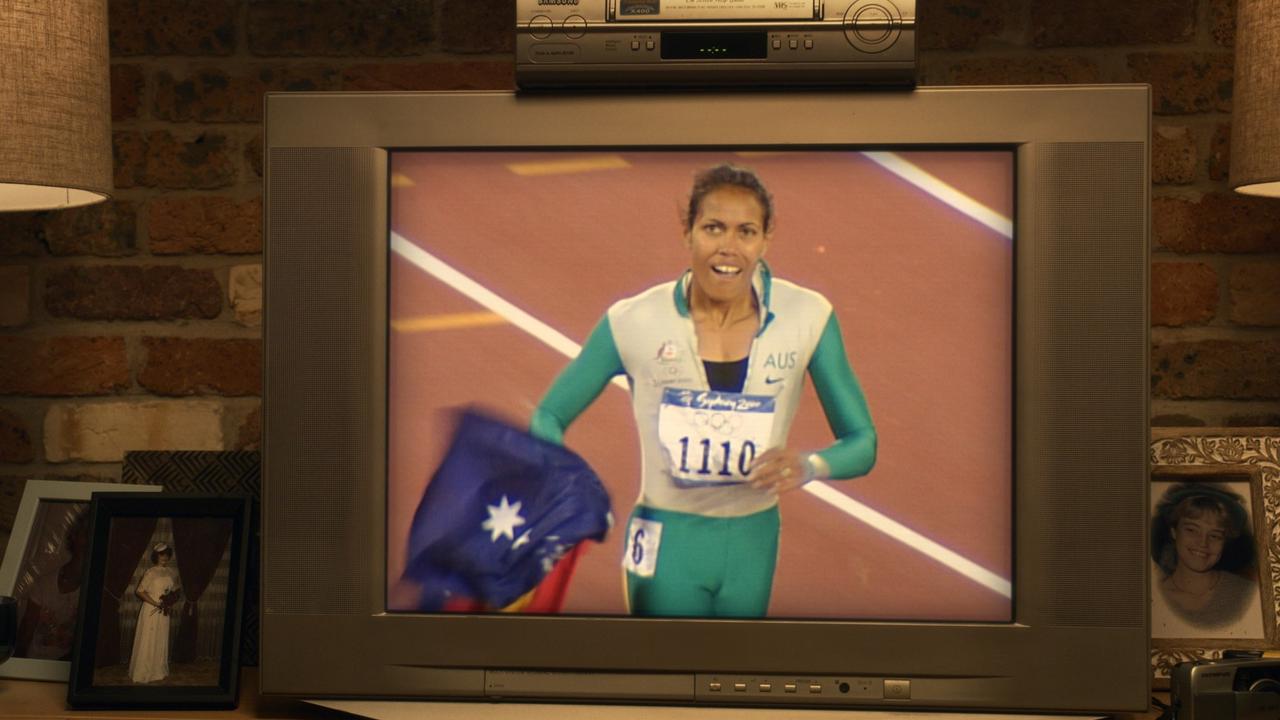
x: 1079, y: 639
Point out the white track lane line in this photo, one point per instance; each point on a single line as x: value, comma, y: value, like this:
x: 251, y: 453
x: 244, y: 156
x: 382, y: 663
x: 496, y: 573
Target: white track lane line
x: 440, y: 270
x: 966, y: 205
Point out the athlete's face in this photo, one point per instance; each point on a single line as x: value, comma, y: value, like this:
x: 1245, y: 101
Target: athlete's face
x: 727, y: 239
x: 1199, y: 540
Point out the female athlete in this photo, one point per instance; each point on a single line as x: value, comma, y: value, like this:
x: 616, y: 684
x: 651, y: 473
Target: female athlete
x: 716, y: 362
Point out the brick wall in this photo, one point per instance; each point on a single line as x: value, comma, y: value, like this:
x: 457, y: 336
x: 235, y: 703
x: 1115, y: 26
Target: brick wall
x: 136, y: 324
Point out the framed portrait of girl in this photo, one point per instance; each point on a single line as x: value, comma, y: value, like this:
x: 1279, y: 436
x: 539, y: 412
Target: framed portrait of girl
x: 1213, y: 561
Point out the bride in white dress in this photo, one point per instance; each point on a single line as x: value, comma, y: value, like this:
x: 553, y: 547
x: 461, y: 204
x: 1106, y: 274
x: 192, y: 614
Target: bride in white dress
x: 150, y: 659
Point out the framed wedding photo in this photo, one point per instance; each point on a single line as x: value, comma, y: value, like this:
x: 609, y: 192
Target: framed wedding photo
x: 160, y: 612
x: 42, y: 569
x: 1214, y: 572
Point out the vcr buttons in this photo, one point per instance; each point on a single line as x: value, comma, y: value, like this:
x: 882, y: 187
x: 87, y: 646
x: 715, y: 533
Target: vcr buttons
x: 541, y: 26
x: 575, y: 26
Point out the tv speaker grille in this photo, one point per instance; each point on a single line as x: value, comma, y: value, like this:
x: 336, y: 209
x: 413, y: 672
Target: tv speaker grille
x: 1091, y: 354
x: 319, y: 408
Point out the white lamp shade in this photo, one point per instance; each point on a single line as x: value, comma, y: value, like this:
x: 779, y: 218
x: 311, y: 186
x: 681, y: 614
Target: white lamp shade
x: 1255, y: 116
x: 55, y: 104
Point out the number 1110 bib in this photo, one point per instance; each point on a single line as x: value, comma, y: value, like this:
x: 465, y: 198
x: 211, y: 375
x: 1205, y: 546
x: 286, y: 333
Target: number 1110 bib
x: 711, y: 438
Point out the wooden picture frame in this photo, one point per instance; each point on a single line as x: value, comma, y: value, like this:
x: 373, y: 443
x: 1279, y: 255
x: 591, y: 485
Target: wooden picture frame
x: 1224, y: 482
x: 42, y: 570
x: 161, y: 609
x: 213, y: 472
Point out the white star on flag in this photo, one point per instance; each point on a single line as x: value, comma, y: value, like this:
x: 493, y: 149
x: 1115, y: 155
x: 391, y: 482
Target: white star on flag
x: 503, y: 519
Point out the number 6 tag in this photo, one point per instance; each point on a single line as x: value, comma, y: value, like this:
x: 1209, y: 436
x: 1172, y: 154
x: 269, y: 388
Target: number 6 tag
x: 643, y: 539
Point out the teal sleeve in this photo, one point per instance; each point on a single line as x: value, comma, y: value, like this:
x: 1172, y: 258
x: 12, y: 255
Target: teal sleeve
x: 854, y: 452
x: 578, y: 385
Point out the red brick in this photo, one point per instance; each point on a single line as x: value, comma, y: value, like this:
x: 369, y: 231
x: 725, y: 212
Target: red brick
x: 10, y: 497
x: 1177, y: 420
x: 129, y: 152
x: 962, y: 24
x: 160, y: 160
x: 1022, y: 70
x: 199, y: 366
x: 1058, y: 23
x: 119, y: 292
x: 172, y: 27
x: 1220, y: 152
x: 477, y: 26
x: 1185, y: 83
x: 431, y: 76
x: 1251, y: 420
x: 1255, y: 294
x: 378, y: 28
x: 1183, y: 293
x: 211, y: 95
x: 1222, y: 22
x: 1218, y: 222
x: 15, y: 295
x: 1216, y: 369
x: 22, y: 234
x: 1173, y: 155
x: 63, y: 366
x: 15, y: 439
x: 107, y: 229
x: 126, y: 92
x: 253, y: 154
x: 205, y: 225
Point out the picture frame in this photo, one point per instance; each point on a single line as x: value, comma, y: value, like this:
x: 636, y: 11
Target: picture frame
x: 42, y: 570
x: 213, y: 472
x: 1213, y: 474
x: 160, y: 613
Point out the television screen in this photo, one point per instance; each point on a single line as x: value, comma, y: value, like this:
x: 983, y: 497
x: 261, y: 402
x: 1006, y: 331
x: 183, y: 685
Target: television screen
x: 503, y: 262
x: 531, y: 377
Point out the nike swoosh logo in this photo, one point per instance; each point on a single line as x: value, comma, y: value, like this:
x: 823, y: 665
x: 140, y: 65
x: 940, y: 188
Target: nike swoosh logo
x: 773, y: 380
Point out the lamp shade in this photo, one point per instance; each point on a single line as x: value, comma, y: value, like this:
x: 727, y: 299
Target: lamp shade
x: 55, y: 104
x: 1255, y: 121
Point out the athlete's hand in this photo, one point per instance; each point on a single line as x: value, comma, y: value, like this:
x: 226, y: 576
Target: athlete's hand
x: 779, y: 470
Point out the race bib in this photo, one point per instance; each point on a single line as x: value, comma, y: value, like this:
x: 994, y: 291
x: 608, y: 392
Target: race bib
x: 710, y: 437
x: 643, y: 539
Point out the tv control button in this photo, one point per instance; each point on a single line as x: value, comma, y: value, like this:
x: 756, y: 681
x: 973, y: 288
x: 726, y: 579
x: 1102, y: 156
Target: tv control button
x: 808, y: 44
x: 635, y: 44
x: 777, y: 44
x: 713, y: 686
x: 766, y: 687
x: 897, y: 689
x: 541, y: 26
x: 815, y: 688
x: 789, y: 687
x: 649, y: 45
x: 575, y: 26
x: 739, y: 687
x: 793, y: 44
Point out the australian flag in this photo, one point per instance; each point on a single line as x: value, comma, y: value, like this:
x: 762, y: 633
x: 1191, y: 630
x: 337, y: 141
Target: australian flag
x: 501, y: 510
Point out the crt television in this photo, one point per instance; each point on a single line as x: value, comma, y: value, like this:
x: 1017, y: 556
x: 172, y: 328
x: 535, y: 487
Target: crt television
x: 985, y: 252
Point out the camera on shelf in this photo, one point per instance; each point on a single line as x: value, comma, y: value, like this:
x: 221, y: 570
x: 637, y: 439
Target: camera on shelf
x: 1232, y: 688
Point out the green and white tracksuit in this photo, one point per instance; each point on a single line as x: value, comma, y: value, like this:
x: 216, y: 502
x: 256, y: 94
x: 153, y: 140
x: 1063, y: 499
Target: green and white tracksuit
x: 702, y: 542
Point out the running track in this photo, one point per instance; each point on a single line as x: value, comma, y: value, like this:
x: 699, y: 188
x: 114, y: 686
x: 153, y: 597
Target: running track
x: 922, y: 290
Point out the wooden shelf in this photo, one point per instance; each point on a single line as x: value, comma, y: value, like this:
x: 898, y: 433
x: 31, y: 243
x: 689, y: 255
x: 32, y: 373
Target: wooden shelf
x: 38, y: 700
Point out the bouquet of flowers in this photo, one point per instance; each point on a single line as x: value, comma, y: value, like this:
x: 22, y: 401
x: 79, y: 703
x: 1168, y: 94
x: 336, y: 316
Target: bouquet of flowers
x: 168, y: 600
